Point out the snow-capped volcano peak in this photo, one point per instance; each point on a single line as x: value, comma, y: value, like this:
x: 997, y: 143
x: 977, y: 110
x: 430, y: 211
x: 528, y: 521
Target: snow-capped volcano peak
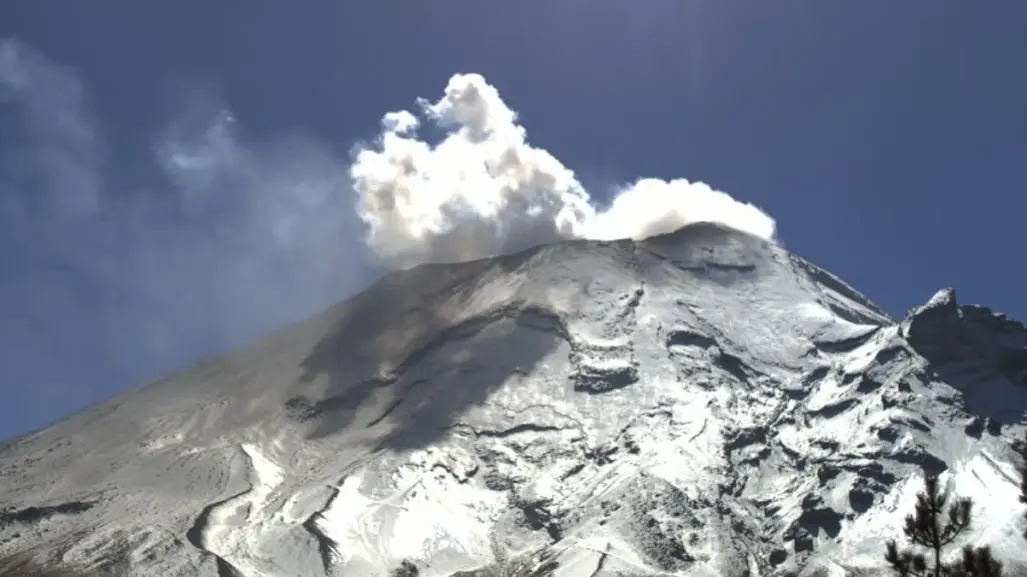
x: 699, y: 403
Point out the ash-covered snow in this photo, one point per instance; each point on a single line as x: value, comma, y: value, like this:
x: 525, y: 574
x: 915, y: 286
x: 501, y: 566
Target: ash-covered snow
x: 699, y: 403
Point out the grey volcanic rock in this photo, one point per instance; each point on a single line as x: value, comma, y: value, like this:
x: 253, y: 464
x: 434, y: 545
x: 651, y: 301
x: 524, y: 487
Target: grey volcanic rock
x: 976, y: 350
x: 699, y: 403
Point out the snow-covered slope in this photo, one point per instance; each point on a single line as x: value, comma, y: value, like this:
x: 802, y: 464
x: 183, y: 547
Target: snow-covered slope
x: 700, y: 403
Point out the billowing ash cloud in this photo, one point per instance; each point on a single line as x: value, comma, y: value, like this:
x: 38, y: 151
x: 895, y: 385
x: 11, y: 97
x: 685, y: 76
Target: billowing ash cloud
x: 107, y: 282
x: 484, y: 190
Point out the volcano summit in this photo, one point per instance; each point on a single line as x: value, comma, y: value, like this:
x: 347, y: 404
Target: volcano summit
x: 697, y: 403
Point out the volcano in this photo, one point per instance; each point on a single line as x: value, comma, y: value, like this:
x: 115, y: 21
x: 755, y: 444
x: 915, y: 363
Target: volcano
x: 698, y: 403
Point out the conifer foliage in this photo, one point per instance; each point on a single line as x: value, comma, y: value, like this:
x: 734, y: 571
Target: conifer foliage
x: 935, y: 525
x: 977, y: 562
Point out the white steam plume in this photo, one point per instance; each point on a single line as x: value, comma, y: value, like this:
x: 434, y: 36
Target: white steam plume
x: 234, y: 235
x: 484, y: 190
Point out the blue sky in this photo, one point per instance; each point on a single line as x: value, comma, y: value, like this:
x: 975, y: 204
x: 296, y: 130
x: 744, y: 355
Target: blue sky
x: 174, y: 176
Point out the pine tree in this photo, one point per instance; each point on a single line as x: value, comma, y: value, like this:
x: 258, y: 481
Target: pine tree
x: 935, y: 526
